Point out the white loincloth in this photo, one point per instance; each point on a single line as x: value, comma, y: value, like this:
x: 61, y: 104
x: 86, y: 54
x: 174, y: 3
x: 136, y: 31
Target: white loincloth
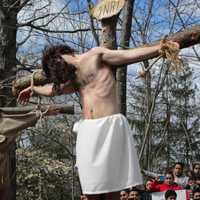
x: 106, y: 157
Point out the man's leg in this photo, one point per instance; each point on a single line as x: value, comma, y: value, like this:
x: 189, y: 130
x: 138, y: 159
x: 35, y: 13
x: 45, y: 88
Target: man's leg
x: 107, y: 196
x: 95, y: 197
x: 112, y: 196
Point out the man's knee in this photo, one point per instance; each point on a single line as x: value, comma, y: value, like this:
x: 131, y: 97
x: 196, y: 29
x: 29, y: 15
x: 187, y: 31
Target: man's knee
x: 112, y: 196
x: 93, y: 197
x: 106, y: 196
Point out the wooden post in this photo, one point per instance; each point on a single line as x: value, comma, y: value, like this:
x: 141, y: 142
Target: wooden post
x: 124, y: 43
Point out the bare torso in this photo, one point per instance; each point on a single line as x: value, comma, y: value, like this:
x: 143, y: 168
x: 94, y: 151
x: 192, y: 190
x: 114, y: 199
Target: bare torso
x: 98, y: 92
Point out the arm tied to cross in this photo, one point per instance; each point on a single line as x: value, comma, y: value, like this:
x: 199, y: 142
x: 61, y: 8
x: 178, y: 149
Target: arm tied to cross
x: 168, y: 51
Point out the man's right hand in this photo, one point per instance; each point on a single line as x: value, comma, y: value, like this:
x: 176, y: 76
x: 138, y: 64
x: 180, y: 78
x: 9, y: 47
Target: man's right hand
x: 24, y: 96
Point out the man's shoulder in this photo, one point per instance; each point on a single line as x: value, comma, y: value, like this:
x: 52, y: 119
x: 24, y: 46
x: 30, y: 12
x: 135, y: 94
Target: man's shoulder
x: 97, y: 50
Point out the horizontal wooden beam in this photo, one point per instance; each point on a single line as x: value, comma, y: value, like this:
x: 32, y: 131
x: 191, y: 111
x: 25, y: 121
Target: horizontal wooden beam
x: 52, y: 109
x: 186, y: 37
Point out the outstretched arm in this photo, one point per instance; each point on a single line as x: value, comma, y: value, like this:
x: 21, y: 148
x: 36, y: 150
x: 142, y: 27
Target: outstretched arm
x: 130, y: 56
x: 46, y: 90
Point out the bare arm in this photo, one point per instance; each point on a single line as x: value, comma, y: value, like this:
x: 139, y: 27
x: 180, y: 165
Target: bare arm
x: 46, y: 90
x: 67, y: 88
x: 25, y: 94
x: 121, y: 57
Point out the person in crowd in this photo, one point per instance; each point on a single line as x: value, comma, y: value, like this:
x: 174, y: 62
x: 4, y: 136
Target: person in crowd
x: 146, y: 192
x: 134, y: 194
x: 196, y: 194
x: 197, y: 181
x: 124, y: 195
x: 179, y: 177
x: 194, y: 177
x: 170, y: 195
x: 191, y: 183
x: 168, y: 184
x: 148, y: 184
x: 195, y: 172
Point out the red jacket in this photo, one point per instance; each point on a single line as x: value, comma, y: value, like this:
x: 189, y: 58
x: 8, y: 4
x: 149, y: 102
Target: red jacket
x: 157, y: 187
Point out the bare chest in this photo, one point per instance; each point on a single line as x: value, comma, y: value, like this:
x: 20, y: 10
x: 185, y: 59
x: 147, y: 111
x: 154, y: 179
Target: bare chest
x: 95, y: 77
x: 88, y: 69
x: 98, y: 96
x: 100, y: 82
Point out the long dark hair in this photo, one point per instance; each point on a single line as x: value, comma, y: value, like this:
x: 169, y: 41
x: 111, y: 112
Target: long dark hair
x: 55, y: 67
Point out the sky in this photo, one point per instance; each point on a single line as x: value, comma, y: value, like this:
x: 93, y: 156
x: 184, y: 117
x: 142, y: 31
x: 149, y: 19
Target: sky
x: 38, y: 38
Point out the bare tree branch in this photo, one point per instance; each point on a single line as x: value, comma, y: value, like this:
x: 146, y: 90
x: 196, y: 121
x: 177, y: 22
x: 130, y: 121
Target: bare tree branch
x: 59, y: 31
x: 23, y: 4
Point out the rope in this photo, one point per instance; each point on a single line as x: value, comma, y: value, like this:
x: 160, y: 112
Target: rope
x: 168, y: 51
x: 38, y: 106
x: 143, y: 72
x: 32, y: 82
x: 41, y: 114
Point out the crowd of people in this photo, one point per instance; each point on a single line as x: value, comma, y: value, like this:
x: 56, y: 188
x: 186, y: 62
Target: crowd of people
x: 172, y: 180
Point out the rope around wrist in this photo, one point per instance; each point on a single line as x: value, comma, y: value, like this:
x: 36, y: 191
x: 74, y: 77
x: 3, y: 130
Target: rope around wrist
x: 170, y: 51
x: 38, y: 110
x: 32, y: 83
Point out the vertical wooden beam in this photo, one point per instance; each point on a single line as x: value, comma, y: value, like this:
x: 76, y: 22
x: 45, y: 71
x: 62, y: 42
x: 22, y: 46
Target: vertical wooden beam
x: 109, y: 32
x: 124, y: 43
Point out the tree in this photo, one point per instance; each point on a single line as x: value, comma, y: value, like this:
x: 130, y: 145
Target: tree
x: 185, y: 114
x: 8, y: 20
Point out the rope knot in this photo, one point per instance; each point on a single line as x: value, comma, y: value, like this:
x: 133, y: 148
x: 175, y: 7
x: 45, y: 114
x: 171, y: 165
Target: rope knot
x: 170, y: 51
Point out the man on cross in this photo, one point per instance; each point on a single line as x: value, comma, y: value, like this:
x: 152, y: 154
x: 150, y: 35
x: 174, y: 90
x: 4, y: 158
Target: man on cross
x: 106, y: 157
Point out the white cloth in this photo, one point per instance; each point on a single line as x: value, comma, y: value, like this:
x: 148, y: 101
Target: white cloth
x: 181, y: 180
x: 181, y: 195
x: 106, y: 157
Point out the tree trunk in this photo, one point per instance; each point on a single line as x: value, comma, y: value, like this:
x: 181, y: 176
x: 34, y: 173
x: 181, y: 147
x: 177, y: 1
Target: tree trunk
x: 8, y: 20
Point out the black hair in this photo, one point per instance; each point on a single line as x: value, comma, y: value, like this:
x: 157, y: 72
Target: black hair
x: 55, y: 67
x: 180, y: 163
x: 194, y: 165
x: 134, y: 189
x: 169, y: 172
x: 125, y: 190
x: 170, y: 193
x: 196, y: 190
